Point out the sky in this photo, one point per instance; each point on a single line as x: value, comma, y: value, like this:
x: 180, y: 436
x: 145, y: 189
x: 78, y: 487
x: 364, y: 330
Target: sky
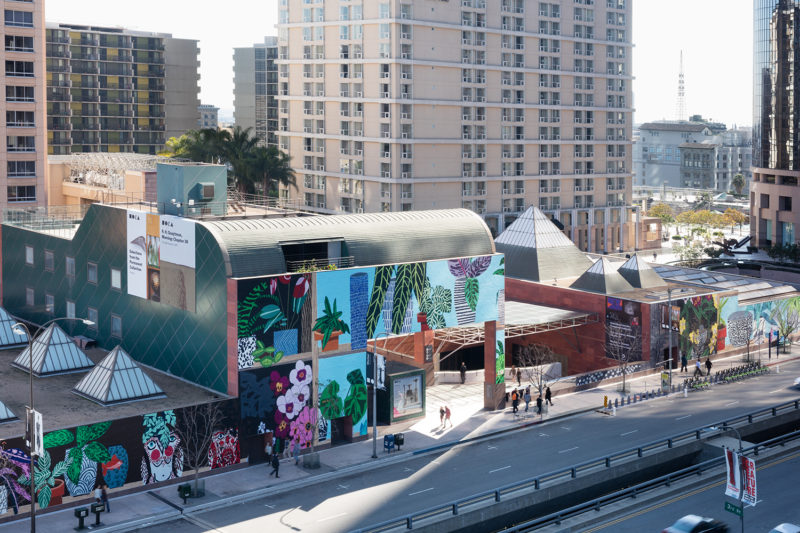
x: 715, y: 36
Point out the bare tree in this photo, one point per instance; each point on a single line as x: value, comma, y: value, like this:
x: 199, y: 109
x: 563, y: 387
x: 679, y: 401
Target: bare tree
x: 623, y: 346
x: 535, y: 362
x: 196, y: 428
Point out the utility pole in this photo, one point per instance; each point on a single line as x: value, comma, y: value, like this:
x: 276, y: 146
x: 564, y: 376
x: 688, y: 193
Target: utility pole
x: 669, y: 332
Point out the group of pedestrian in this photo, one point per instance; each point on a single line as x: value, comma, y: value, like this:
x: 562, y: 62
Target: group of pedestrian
x: 698, y: 367
x: 101, y: 496
x: 525, y: 395
x: 444, y: 416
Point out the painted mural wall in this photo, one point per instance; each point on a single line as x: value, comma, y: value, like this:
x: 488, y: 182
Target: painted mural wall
x: 342, y: 393
x: 357, y: 304
x: 138, y: 451
x: 624, y: 329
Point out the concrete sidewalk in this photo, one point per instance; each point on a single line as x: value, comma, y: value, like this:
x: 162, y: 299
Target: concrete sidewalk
x: 470, y: 422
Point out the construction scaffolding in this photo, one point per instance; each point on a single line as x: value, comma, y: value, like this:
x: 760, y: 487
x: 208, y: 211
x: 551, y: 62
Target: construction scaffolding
x: 107, y: 170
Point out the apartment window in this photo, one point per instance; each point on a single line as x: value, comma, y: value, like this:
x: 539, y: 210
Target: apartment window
x: 29, y: 296
x: 23, y: 19
x: 70, y: 309
x: 91, y: 273
x: 70, y: 267
x: 116, y: 278
x: 116, y: 326
x: 21, y: 193
x: 28, y: 255
x: 15, y: 143
x: 91, y: 315
x: 49, y: 303
x: 15, y: 93
x: 19, y: 69
x: 20, y: 119
x: 784, y: 203
x: 49, y: 261
x: 18, y: 43
x: 21, y: 169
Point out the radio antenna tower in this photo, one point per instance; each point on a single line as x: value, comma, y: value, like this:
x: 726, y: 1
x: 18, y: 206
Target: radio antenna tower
x: 681, y: 105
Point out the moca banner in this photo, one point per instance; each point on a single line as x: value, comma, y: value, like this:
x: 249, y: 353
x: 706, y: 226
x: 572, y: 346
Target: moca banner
x: 161, y: 259
x: 750, y: 496
x: 733, y: 481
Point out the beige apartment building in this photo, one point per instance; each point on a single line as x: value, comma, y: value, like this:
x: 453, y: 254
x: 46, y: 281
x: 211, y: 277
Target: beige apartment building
x: 492, y: 105
x: 24, y: 104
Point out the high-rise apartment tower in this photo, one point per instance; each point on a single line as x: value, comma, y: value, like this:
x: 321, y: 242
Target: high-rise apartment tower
x: 491, y: 105
x: 117, y: 90
x: 255, y: 88
x: 24, y: 156
x: 776, y: 123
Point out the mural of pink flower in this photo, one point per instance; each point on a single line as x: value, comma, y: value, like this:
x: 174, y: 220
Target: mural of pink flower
x: 301, y: 375
x: 273, y: 285
x: 302, y: 429
x: 284, y: 279
x: 288, y: 404
x: 279, y: 384
x: 301, y: 287
x: 301, y: 394
x: 282, y: 425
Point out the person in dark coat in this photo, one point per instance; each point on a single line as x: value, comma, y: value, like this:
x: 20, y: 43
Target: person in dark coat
x: 539, y: 404
x: 548, y: 396
x: 463, y: 371
x: 684, y: 362
x: 514, y: 400
x: 519, y: 377
x: 276, y: 463
x: 708, y: 366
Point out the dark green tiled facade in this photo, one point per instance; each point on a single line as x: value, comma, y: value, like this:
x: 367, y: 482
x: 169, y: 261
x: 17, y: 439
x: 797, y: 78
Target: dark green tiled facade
x: 191, y: 345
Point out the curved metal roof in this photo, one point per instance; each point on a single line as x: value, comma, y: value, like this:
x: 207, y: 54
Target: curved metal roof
x: 252, y: 246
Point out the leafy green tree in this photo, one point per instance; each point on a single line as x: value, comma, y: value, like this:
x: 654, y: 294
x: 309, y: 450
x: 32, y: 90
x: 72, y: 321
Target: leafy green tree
x: 662, y: 211
x: 269, y: 167
x: 738, y: 183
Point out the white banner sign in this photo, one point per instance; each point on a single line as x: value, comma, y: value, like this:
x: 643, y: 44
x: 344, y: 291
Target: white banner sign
x: 733, y: 481
x: 177, y: 241
x: 137, y: 254
x: 750, y: 496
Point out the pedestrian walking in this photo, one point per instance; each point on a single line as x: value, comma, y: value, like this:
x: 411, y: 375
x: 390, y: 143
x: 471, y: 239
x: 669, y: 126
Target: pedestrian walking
x: 276, y: 463
x: 548, y: 396
x: 447, y: 416
x: 98, y: 494
x: 527, y: 397
x: 684, y: 361
x: 296, y: 451
x: 539, y: 404
x: 441, y: 416
x: 463, y: 371
x: 514, y: 400
x: 708, y: 366
x: 697, y: 368
x: 513, y: 372
x: 519, y: 377
x: 104, y: 497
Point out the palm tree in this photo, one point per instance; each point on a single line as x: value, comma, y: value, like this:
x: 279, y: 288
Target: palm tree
x: 270, y: 166
x: 239, y: 150
x: 738, y: 183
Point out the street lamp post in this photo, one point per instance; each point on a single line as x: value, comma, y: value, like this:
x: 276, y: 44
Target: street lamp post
x: 741, y: 471
x: 375, y: 391
x: 21, y: 329
x: 669, y: 333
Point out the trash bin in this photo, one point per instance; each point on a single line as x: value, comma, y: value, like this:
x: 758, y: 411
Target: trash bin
x: 399, y: 439
x: 388, y: 443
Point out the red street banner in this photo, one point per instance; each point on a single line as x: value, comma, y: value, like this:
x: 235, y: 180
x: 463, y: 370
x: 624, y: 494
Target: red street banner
x: 749, y: 470
x: 733, y: 482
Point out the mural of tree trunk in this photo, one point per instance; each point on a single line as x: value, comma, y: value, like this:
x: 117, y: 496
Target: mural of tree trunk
x: 306, y: 325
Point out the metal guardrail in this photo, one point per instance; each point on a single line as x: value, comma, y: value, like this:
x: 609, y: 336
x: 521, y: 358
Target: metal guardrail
x: 572, y: 472
x: 632, y: 492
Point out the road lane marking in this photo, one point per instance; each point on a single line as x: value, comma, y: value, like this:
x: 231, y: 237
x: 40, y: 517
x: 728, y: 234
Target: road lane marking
x: 569, y: 449
x: 270, y: 506
x: 345, y: 487
x: 492, y: 447
x: 731, y: 403
x: 407, y: 469
x: 565, y: 427
x: 628, y: 433
x: 419, y: 492
x: 435, y: 462
x: 682, y: 417
x: 499, y: 469
x: 543, y: 435
x: 331, y: 517
x: 777, y: 390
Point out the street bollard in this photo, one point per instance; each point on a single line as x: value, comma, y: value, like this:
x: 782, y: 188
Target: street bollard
x: 615, y: 403
x: 629, y: 399
x: 685, y: 392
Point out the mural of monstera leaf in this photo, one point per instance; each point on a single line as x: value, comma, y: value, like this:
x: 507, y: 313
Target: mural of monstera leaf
x: 330, y: 404
x: 500, y: 363
x: 355, y: 403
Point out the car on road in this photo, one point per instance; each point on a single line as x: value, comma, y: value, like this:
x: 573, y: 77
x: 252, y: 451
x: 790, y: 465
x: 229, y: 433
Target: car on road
x: 692, y: 523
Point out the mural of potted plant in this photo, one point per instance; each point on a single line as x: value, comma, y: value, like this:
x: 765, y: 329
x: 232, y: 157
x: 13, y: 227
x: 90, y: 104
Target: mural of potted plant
x: 48, y: 488
x: 467, y: 287
x: 355, y: 403
x: 698, y: 327
x: 84, y: 457
x: 329, y: 326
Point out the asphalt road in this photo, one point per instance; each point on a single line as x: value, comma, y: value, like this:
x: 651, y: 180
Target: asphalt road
x: 388, y: 492
x: 777, y: 503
